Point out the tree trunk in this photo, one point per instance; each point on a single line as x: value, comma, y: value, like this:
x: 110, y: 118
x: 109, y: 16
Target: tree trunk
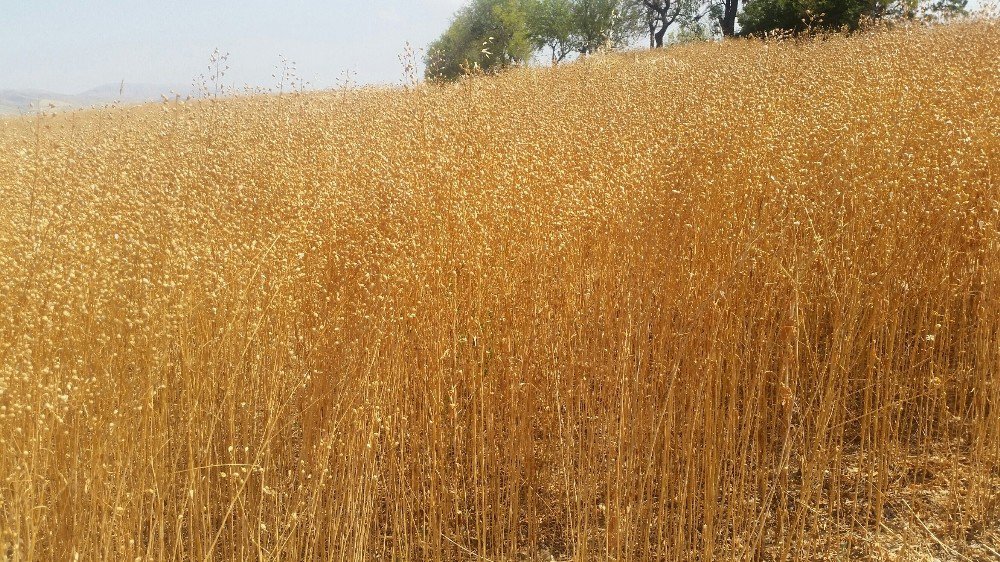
x: 659, y: 35
x: 658, y: 21
x: 728, y: 21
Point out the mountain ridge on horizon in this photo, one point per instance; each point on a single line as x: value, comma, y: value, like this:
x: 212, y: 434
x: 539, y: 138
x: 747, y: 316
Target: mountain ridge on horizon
x: 22, y: 101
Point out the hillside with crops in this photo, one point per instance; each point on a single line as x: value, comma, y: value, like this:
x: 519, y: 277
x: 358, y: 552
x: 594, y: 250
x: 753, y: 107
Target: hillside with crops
x: 643, y: 306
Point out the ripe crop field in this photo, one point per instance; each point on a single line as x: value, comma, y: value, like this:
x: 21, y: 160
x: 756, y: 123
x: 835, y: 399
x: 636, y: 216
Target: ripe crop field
x: 647, y: 306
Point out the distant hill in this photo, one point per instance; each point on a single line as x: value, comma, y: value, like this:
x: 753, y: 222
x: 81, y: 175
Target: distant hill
x: 14, y: 102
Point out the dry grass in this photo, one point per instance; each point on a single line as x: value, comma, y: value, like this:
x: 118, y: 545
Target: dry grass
x: 648, y: 306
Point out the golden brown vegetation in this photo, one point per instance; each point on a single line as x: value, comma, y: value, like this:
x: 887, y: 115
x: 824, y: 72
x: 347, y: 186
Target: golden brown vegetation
x: 647, y: 306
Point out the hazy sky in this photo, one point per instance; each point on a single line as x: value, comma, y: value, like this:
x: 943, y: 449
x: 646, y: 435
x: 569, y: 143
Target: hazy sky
x: 68, y: 46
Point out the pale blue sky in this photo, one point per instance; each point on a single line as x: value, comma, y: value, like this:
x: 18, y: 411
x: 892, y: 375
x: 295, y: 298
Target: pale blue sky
x: 68, y: 46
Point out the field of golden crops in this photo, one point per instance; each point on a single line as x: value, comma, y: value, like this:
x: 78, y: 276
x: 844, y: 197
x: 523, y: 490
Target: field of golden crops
x: 721, y: 301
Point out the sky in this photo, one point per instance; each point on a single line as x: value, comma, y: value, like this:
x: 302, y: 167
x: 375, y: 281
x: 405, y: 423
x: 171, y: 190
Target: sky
x: 70, y: 46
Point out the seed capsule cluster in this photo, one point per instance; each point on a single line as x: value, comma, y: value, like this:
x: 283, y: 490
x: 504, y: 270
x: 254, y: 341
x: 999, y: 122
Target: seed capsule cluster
x: 721, y: 301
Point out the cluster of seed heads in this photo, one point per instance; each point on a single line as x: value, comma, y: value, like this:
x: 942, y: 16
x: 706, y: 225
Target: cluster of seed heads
x: 722, y: 301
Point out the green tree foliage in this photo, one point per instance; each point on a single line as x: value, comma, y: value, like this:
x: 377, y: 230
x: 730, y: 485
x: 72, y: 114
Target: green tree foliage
x: 485, y: 34
x: 552, y: 25
x: 761, y: 16
x: 660, y: 15
x: 489, y: 35
x: 584, y: 26
x: 607, y: 23
x: 492, y: 34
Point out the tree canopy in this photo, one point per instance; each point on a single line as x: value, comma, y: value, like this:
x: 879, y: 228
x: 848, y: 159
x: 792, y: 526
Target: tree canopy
x: 485, y: 34
x: 489, y: 35
x: 761, y: 16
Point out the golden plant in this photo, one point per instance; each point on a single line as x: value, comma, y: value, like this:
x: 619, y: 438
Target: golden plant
x: 648, y: 306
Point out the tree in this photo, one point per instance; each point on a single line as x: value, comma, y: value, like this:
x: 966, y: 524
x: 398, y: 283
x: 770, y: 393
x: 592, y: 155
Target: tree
x: 493, y: 34
x: 662, y: 14
x: 761, y: 16
x: 611, y: 23
x: 724, y: 13
x: 552, y: 26
x: 485, y: 34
